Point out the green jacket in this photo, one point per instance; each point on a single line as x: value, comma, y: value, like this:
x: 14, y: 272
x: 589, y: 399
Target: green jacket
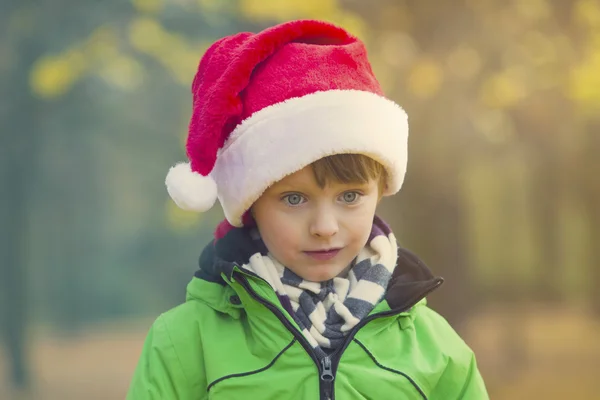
x: 232, y: 339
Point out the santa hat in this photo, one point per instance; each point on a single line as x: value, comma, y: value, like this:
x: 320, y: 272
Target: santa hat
x: 266, y: 105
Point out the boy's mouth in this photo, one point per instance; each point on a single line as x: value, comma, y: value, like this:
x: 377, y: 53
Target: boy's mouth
x: 323, y: 255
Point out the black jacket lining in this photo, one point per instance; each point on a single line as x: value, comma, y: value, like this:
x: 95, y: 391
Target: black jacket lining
x: 391, y: 370
x: 252, y: 372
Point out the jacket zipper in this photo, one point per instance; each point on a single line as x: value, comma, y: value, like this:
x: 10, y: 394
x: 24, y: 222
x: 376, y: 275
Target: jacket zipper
x: 324, y: 385
x: 337, y: 354
x: 327, y: 378
x: 327, y: 367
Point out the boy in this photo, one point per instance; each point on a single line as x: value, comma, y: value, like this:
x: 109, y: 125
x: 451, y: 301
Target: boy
x: 304, y: 293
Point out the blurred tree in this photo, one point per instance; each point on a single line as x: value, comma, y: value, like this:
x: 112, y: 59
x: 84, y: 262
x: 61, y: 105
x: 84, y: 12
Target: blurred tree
x: 19, y: 147
x: 589, y: 190
x: 583, y: 89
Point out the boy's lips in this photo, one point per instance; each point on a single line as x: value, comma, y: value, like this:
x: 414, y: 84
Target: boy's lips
x: 323, y: 255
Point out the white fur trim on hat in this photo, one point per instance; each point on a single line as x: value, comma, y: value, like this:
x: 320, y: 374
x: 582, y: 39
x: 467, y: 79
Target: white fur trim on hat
x: 284, y: 138
x: 190, y: 190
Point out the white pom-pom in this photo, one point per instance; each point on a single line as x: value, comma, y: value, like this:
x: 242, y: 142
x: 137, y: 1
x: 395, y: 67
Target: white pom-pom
x: 190, y: 190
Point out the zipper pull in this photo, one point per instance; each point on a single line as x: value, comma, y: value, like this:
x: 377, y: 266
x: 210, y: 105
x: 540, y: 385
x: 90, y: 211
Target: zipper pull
x: 327, y: 374
x: 327, y: 377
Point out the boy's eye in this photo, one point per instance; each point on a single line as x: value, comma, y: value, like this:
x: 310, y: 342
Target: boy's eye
x: 293, y: 199
x: 350, y: 197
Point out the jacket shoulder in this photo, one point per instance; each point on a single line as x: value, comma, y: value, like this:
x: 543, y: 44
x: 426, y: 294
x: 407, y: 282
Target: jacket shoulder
x: 171, y: 365
x: 185, y: 313
x: 459, y: 374
x: 433, y: 327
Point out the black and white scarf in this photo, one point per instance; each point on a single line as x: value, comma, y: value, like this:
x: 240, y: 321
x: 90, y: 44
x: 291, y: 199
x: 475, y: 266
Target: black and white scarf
x: 327, y: 311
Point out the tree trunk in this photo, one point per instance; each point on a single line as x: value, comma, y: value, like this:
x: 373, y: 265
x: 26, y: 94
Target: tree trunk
x: 16, y: 173
x: 18, y: 156
x: 590, y: 189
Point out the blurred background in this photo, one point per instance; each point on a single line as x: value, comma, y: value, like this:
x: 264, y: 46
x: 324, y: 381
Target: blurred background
x: 501, y: 198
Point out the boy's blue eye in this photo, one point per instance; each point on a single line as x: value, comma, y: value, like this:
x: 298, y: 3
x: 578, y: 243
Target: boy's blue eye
x: 293, y: 199
x: 350, y: 197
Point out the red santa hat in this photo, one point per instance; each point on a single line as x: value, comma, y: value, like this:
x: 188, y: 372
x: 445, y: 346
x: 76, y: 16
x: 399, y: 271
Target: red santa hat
x: 266, y: 105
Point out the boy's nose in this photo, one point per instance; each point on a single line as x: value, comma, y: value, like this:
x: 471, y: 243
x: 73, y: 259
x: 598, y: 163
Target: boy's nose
x: 324, y: 224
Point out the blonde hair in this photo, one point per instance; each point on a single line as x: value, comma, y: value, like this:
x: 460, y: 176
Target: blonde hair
x: 349, y: 168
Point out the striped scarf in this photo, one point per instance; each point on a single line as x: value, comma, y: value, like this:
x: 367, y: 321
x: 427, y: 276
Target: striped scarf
x: 327, y: 311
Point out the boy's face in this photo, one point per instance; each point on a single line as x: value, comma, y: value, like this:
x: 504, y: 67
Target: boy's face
x: 315, y: 232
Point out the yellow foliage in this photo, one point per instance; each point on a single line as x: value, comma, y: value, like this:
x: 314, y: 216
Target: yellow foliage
x: 180, y: 58
x: 387, y: 76
x: 217, y: 5
x: 425, y: 79
x: 464, y: 62
x: 114, y: 66
x: 532, y: 10
x: 351, y: 22
x: 52, y: 76
x: 102, y: 44
x: 209, y: 5
x: 282, y: 10
x: 147, y: 35
x: 122, y: 71
x: 587, y: 12
x: 398, y: 16
x: 286, y: 10
x: 505, y: 89
x: 173, y: 51
x: 180, y: 220
x: 397, y: 49
x: 584, y: 83
x: 494, y: 124
x: 148, y: 6
x: 539, y: 48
